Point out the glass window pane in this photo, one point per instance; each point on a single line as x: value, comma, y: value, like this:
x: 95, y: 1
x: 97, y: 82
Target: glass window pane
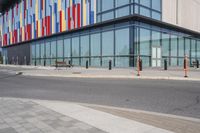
x: 122, y: 61
x: 67, y: 48
x: 122, y: 12
x: 181, y: 47
x: 122, y: 41
x: 156, y: 5
x: 98, y: 6
x: 48, y: 50
x: 42, y: 50
x: 107, y: 16
x: 75, y: 47
x: 95, y: 62
x: 198, y: 50
x: 173, y: 61
x: 145, y: 42
x: 145, y: 12
x: 60, y: 48
x: 108, y: 43
x: 174, y: 46
x: 95, y: 45
x: 155, y: 39
x: 146, y: 3
x: 193, y: 48
x: 165, y: 44
x: 33, y: 50
x: 121, y: 2
x: 107, y: 4
x: 85, y: 45
x: 187, y: 47
x: 156, y: 15
x: 37, y: 50
x: 53, y: 49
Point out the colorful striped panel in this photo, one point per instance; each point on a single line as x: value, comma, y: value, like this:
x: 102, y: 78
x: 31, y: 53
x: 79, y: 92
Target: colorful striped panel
x: 31, y: 19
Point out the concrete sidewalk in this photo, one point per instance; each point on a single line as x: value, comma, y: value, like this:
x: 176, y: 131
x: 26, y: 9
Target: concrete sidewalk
x: 80, y: 72
x: 35, y: 116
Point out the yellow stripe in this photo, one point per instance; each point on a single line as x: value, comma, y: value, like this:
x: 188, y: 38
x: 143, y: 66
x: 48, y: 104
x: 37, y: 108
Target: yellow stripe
x: 70, y: 3
x: 63, y: 21
x: 36, y: 10
x: 59, y: 5
x: 84, y: 13
x: 10, y: 37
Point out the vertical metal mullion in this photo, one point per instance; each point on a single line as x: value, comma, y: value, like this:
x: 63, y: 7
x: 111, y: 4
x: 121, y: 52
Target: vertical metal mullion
x: 71, y: 48
x: 131, y: 44
x: 89, y: 47
x: 170, y: 49
x: 80, y: 57
x: 101, y: 47
x: 178, y: 50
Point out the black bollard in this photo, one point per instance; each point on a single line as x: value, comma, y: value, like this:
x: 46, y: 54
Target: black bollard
x: 44, y: 62
x: 165, y: 64
x: 197, y: 63
x: 35, y: 63
x: 110, y: 65
x: 69, y: 62
x: 141, y: 67
x: 87, y: 64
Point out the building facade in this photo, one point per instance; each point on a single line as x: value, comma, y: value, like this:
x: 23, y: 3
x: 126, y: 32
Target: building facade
x: 41, y: 32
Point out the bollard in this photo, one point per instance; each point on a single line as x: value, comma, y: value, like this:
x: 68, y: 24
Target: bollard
x: 141, y: 67
x: 35, y: 63
x: 87, y: 64
x: 186, y: 67
x: 165, y: 64
x: 138, y: 66
x: 110, y: 65
x: 69, y: 62
x: 197, y: 63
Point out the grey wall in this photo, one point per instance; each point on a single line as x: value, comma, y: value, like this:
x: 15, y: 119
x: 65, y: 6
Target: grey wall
x: 19, y: 51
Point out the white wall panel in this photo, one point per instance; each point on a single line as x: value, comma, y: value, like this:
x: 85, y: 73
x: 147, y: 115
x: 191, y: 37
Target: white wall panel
x: 184, y: 13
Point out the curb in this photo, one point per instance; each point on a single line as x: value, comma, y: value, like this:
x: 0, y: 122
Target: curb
x: 112, y: 77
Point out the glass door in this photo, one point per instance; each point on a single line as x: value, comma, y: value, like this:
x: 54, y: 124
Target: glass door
x: 156, y: 56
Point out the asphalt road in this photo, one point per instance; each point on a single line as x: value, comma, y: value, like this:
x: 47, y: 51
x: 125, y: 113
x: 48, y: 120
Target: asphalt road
x: 171, y: 97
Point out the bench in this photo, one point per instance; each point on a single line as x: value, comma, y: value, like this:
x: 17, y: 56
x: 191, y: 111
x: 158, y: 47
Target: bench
x: 62, y: 64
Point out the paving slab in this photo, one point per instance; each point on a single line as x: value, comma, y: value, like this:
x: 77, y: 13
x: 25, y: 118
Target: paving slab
x: 25, y: 116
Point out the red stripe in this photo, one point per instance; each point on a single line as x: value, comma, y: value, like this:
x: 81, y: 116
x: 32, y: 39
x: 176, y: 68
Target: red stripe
x: 69, y: 19
x: 31, y: 2
x: 42, y: 27
x: 74, y: 15
x: 60, y: 21
x: 79, y: 15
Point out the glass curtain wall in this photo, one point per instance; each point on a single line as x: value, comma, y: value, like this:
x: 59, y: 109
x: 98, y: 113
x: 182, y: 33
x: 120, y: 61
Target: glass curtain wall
x: 120, y: 43
x: 110, y: 9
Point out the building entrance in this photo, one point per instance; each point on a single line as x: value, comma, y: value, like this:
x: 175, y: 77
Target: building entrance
x: 156, y: 57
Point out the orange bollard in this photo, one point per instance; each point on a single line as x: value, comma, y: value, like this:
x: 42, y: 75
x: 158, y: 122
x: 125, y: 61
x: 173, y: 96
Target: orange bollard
x: 138, y: 65
x: 186, y: 66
